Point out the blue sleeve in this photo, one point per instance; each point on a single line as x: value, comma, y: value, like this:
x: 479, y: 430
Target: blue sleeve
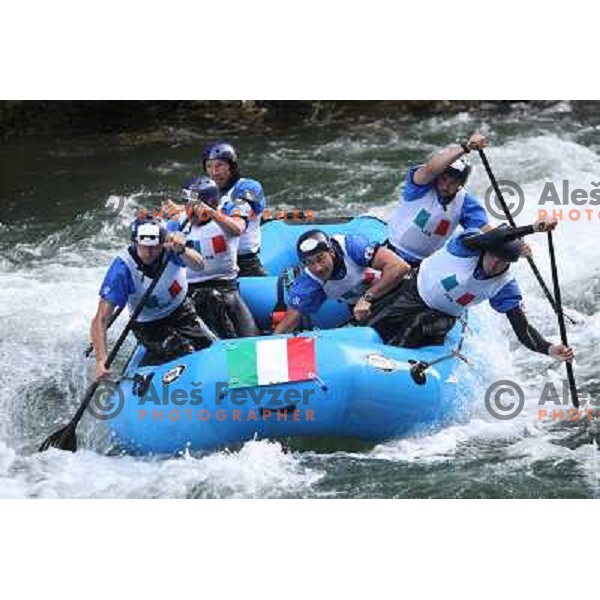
x: 360, y: 249
x: 456, y: 246
x: 252, y: 192
x: 412, y: 190
x: 508, y: 298
x: 306, y: 295
x: 117, y: 284
x: 473, y: 214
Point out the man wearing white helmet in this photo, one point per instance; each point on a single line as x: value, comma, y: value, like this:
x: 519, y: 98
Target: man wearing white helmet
x: 434, y: 203
x: 168, y: 325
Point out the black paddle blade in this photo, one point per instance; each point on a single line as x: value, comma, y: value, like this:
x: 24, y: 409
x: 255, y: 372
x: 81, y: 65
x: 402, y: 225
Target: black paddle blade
x: 63, y: 439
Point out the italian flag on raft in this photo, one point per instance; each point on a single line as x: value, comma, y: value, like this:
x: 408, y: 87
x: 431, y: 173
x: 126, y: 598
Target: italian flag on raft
x: 265, y: 362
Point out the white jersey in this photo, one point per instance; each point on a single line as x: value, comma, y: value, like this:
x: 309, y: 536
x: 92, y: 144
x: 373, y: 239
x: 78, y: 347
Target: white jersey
x: 251, y: 192
x: 422, y: 226
x: 168, y: 295
x: 355, y: 282
x: 447, y: 282
x: 219, y: 250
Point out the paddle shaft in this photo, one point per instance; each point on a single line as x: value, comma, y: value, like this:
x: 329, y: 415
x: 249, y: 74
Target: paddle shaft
x: 512, y: 223
x: 113, y: 353
x: 561, y: 320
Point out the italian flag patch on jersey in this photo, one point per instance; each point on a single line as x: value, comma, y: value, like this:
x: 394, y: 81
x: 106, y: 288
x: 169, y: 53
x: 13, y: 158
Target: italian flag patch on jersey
x: 266, y: 362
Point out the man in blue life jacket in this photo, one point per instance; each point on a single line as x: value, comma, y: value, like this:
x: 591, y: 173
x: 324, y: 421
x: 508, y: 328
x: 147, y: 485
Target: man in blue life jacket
x: 434, y: 203
x: 168, y: 325
x: 347, y: 267
x: 214, y: 232
x: 471, y: 268
x: 221, y: 163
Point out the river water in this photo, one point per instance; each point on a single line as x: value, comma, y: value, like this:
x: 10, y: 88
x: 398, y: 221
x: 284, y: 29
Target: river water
x: 57, y: 238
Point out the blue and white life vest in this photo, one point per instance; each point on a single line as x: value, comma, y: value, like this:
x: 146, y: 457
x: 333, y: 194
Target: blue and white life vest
x: 447, y: 282
x: 251, y: 192
x: 169, y: 293
x: 355, y: 282
x: 422, y: 226
x: 219, y: 250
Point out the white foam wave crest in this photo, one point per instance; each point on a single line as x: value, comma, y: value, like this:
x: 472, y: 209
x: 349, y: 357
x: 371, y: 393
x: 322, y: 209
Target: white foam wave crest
x: 258, y: 469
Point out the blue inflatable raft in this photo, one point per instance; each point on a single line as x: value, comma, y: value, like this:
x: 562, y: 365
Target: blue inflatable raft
x: 278, y: 250
x: 351, y: 386
x: 342, y: 383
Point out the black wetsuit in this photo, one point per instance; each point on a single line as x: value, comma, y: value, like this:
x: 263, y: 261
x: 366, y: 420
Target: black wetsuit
x: 409, y: 322
x: 179, y: 333
x: 250, y: 265
x: 496, y: 237
x: 222, y: 308
x: 221, y: 305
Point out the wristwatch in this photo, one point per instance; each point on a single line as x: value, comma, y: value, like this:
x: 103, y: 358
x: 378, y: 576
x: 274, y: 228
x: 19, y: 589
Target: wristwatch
x: 368, y: 297
x: 465, y: 146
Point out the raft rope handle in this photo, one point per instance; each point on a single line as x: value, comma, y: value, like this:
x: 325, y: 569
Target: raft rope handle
x: 321, y: 383
x: 417, y: 371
